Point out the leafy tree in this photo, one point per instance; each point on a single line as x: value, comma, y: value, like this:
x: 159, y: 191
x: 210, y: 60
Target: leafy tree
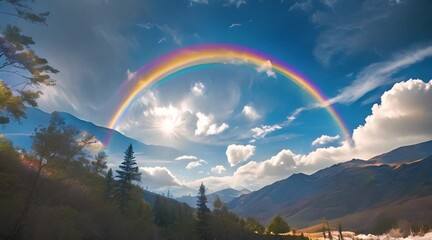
x: 202, y: 215
x: 278, y: 225
x: 59, y: 143
x: 17, y: 58
x: 252, y: 225
x: 128, y: 172
x: 55, y: 145
x: 99, y: 164
x: 218, y: 204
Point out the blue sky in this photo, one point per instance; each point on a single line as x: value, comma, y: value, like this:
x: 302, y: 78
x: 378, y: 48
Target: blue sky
x: 354, y: 51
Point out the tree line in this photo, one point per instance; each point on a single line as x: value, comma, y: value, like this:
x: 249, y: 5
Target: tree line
x: 61, y: 190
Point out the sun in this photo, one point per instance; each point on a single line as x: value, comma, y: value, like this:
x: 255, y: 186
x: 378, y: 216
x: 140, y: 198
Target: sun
x: 168, y: 127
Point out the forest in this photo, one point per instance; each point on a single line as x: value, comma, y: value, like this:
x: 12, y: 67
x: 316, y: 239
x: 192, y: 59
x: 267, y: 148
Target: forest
x: 59, y: 190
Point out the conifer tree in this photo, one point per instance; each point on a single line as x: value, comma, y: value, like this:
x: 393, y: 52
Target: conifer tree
x: 202, y: 214
x: 128, y: 172
x: 109, y: 184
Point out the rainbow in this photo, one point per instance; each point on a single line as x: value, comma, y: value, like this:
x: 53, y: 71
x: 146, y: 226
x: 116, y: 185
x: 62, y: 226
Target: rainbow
x: 193, y: 56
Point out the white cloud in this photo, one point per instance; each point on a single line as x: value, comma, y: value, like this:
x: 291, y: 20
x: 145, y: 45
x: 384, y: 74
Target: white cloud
x: 239, y: 153
x: 254, y: 175
x: 205, y: 125
x: 266, y: 67
x: 192, y: 2
x: 130, y: 74
x: 161, y: 40
x: 324, y: 139
x: 146, y: 25
x: 250, y: 113
x: 378, y: 74
x: 219, y: 169
x: 173, y: 33
x: 261, y: 132
x: 195, y: 164
x: 198, y: 89
x: 158, y: 177
x: 186, y: 157
x: 236, y: 3
x: 402, y: 118
x: 234, y: 25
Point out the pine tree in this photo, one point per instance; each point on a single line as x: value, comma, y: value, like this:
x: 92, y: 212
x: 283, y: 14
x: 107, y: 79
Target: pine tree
x: 109, y: 184
x: 128, y: 172
x: 202, y: 214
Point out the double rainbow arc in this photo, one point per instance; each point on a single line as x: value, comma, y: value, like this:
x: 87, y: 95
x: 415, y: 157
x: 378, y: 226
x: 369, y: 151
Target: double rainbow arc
x: 188, y: 57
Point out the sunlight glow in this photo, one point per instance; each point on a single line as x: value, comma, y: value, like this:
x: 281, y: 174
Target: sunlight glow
x: 168, y: 127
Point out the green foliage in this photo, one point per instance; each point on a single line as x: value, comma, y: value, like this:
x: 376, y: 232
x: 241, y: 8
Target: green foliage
x: 17, y: 58
x: 278, y: 225
x: 99, y: 164
x: 202, y: 214
x: 218, y: 204
x: 252, y: 225
x: 128, y: 172
x: 59, y: 143
x: 109, y: 189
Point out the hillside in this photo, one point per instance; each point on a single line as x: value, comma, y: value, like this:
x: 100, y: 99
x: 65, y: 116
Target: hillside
x: 405, y: 153
x: 226, y: 195
x: 344, y: 189
x: 20, y: 133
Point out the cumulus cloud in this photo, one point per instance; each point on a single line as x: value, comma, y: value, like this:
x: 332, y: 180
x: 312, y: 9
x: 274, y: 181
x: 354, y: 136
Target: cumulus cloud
x: 261, y: 132
x: 198, y: 89
x: 250, y: 113
x: 195, y: 164
x: 186, y: 157
x: 254, y: 175
x: 402, y: 118
x: 324, y: 139
x: 267, y: 68
x: 205, y: 125
x: 219, y: 169
x: 239, y: 153
x: 158, y: 177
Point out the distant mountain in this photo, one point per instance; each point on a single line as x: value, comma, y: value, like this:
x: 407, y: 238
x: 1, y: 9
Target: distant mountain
x: 348, y: 189
x: 405, y: 153
x: 226, y: 195
x: 20, y: 135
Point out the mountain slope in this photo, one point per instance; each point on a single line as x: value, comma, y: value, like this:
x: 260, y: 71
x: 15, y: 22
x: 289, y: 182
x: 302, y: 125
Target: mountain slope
x: 226, y: 195
x: 340, y: 190
x: 405, y: 153
x: 117, y: 142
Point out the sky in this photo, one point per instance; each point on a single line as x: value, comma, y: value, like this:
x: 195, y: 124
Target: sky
x: 242, y: 126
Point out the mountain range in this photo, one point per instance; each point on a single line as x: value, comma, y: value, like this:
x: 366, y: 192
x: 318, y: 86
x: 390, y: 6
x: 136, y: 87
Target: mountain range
x: 115, y: 142
x: 226, y: 195
x: 362, y: 194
